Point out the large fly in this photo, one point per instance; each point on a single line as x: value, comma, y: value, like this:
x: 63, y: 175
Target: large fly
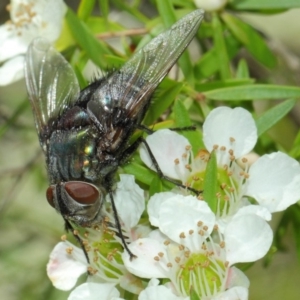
x: 85, y: 134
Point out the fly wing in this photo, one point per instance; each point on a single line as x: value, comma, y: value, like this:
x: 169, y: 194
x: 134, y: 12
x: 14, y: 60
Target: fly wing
x: 131, y: 87
x: 51, y: 84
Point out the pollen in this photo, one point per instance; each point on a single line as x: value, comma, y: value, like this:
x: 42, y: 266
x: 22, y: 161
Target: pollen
x: 176, y: 161
x: 215, y: 147
x: 177, y: 259
x: 231, y: 139
x: 188, y: 167
x: 188, y: 147
x: 167, y: 242
x: 200, y: 223
x: 156, y: 258
x: 63, y: 238
x: 69, y: 250
x: 222, y: 244
x: 182, y: 235
x: 191, y: 231
x: 169, y: 265
x: 92, y: 271
x: 160, y: 254
x: 223, y: 148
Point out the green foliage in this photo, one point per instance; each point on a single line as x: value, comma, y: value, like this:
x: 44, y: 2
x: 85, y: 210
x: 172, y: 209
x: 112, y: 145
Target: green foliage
x: 221, y: 75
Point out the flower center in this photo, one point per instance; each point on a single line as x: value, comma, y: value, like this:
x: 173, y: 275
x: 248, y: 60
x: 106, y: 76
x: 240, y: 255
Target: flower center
x: 203, y: 273
x: 227, y: 191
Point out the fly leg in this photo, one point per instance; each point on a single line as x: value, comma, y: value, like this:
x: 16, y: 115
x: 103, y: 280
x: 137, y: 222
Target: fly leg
x: 69, y: 227
x: 136, y: 144
x: 118, y: 225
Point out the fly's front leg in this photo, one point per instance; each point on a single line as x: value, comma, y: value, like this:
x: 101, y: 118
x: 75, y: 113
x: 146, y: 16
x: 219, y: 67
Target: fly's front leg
x: 69, y: 227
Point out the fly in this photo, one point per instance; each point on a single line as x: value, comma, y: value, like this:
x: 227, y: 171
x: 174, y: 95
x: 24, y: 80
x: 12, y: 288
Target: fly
x: 85, y: 134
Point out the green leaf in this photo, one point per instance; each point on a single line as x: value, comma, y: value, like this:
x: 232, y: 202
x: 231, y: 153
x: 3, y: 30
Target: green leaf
x: 156, y: 185
x: 96, y: 50
x: 274, y: 115
x: 210, y: 184
x: 99, y: 25
x: 85, y: 9
x: 254, y: 92
x: 202, y: 87
x: 168, y: 90
x: 220, y: 48
x: 182, y: 119
x: 209, y: 64
x: 251, y: 39
x: 140, y: 172
x: 166, y: 11
x: 104, y: 8
x: 242, y: 69
x: 295, y: 152
x: 123, y: 6
x: 264, y: 4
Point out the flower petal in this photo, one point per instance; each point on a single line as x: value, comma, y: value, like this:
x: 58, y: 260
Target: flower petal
x: 95, y: 291
x: 159, y: 292
x: 255, y: 210
x: 64, y: 269
x: 129, y: 200
x: 232, y: 128
x: 235, y: 293
x: 247, y: 238
x: 167, y: 146
x: 12, y: 70
x: 274, y: 181
x: 145, y: 265
x: 182, y: 217
x: 154, y: 205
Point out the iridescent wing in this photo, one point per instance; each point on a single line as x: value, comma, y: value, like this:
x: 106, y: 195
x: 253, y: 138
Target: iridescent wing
x: 51, y: 84
x: 131, y: 87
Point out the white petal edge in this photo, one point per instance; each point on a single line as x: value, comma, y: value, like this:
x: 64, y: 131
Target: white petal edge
x: 12, y: 70
x: 167, y: 146
x: 93, y: 291
x: 64, y: 269
x: 159, y: 292
x: 145, y: 265
x: 223, y: 124
x: 129, y: 200
x: 154, y: 204
x: 181, y: 214
x: 235, y: 293
x: 274, y: 181
x: 247, y: 238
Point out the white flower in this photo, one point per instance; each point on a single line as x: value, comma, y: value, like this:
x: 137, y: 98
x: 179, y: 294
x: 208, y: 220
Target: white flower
x: 191, y: 252
x: 28, y: 19
x: 273, y: 180
x: 210, y: 5
x: 68, y: 262
x: 95, y: 291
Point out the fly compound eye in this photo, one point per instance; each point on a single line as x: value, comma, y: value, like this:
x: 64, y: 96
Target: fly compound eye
x: 49, y: 196
x: 82, y: 192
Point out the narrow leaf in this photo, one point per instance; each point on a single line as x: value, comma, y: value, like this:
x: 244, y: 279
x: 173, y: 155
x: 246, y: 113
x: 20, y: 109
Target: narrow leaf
x: 254, y: 92
x: 85, y: 9
x: 210, y: 184
x: 251, y: 39
x: 273, y: 116
x: 265, y: 4
x: 221, y: 50
x: 95, y: 49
